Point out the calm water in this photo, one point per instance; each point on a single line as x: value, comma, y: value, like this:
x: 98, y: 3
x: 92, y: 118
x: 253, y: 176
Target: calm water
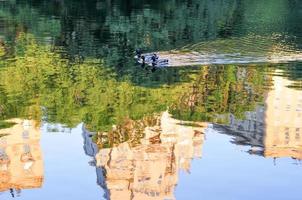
x: 79, y: 119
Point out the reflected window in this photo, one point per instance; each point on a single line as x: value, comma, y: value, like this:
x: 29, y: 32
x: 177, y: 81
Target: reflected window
x: 27, y: 157
x: 286, y: 135
x: 25, y: 135
x: 287, y: 108
x: 297, y: 137
x: 4, y: 160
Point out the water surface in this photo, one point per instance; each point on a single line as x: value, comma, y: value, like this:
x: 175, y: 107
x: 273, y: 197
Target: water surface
x: 80, y: 119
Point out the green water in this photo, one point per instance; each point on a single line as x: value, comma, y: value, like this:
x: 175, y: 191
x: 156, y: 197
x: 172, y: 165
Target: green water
x: 66, y: 63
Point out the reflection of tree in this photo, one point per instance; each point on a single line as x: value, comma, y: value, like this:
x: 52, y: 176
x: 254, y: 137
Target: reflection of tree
x: 151, y: 24
x: 83, y: 91
x: 148, y: 23
x: 102, y: 29
x: 16, y: 18
x: 113, y: 29
x: 221, y: 90
x: 74, y: 91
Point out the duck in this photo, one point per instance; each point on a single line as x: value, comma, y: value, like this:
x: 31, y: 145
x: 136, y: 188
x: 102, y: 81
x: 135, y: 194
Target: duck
x: 138, y: 53
x: 151, y: 59
x: 161, y: 63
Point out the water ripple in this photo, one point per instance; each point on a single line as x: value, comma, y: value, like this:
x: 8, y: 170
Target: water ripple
x: 245, y: 50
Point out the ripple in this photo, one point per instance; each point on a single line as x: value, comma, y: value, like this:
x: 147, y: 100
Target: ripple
x: 245, y: 50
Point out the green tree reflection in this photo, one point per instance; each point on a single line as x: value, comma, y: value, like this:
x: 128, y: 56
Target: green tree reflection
x: 37, y: 82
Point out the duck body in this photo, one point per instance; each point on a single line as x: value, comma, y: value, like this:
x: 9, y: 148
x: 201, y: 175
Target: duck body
x: 151, y: 59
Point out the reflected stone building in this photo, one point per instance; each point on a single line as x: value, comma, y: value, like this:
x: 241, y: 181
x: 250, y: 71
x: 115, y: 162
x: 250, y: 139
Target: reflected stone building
x: 276, y: 127
x: 21, y: 164
x: 150, y: 169
x: 283, y: 120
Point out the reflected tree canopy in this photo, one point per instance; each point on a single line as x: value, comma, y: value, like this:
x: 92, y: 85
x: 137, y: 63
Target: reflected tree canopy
x: 39, y: 82
x: 75, y: 58
x: 111, y: 30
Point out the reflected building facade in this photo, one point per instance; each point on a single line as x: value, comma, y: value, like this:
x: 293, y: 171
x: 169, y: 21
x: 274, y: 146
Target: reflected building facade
x: 283, y: 120
x: 150, y: 169
x: 275, y: 127
x: 21, y: 164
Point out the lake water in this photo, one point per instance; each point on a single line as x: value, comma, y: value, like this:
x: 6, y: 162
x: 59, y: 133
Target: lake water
x: 80, y: 119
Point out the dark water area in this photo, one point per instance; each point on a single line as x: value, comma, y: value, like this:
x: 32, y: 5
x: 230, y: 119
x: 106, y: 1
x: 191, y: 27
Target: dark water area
x: 80, y: 119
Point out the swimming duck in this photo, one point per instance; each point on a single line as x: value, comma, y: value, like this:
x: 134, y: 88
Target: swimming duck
x: 160, y: 63
x: 150, y: 59
x: 138, y: 53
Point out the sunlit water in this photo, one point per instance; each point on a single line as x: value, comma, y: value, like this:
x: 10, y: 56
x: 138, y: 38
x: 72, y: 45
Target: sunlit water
x: 80, y: 119
x: 250, y: 49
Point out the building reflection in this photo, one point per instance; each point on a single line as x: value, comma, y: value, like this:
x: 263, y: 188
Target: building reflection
x: 148, y: 170
x: 21, y: 164
x: 273, y: 130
